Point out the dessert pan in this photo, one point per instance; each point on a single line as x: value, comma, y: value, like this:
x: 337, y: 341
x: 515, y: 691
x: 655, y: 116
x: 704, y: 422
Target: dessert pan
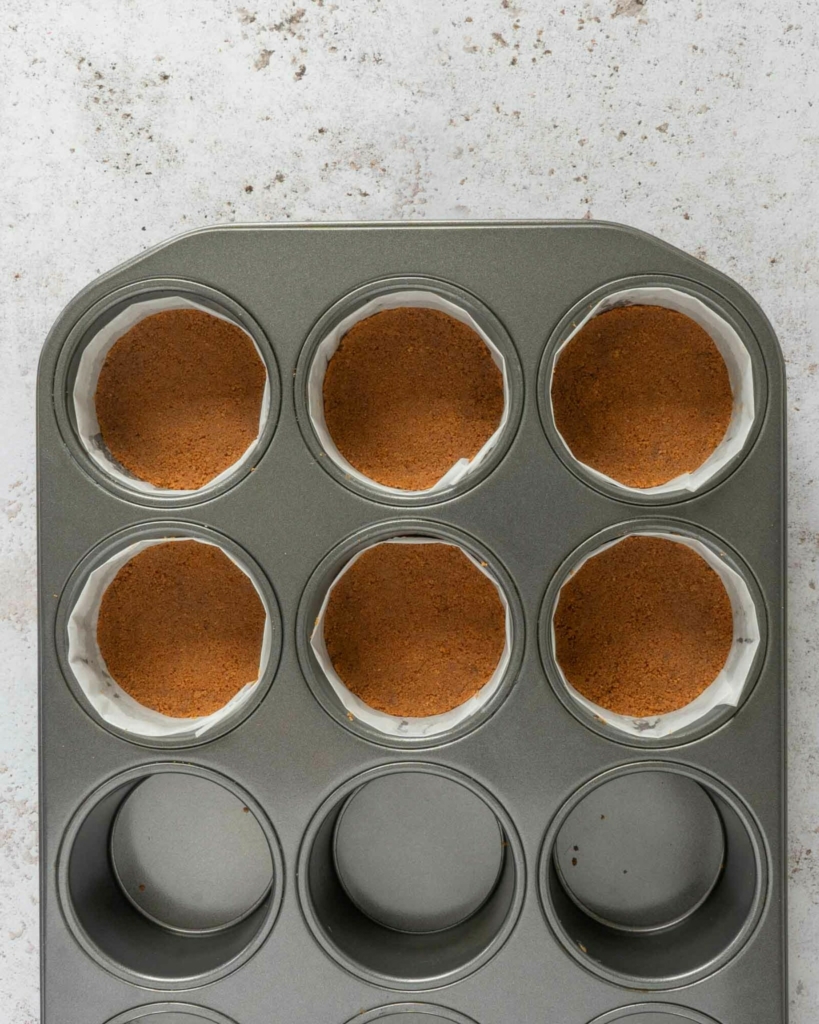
x: 532, y: 862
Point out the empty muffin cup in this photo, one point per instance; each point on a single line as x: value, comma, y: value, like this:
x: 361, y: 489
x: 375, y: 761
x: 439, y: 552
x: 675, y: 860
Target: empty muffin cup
x: 653, y: 875
x: 144, y: 414
x: 184, y: 696
x: 661, y: 633
x: 411, y: 876
x: 693, y: 449
x: 170, y: 875
x: 377, y: 643
x: 423, y: 443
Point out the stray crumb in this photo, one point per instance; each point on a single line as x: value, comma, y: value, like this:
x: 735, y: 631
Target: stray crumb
x: 631, y: 8
x: 263, y: 60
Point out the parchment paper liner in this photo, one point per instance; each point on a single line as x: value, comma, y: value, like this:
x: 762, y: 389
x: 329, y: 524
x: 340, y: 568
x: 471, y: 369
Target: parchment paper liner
x: 392, y: 725
x: 103, y: 693
x: 327, y: 348
x: 85, y: 386
x: 729, y: 685
x: 737, y: 362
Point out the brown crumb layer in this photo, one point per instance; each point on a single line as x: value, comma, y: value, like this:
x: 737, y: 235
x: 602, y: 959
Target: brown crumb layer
x: 414, y: 629
x: 642, y: 394
x: 180, y: 629
x: 179, y: 398
x: 643, y: 627
x: 408, y: 393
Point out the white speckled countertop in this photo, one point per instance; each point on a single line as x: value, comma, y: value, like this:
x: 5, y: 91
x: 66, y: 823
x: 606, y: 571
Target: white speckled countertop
x: 125, y: 122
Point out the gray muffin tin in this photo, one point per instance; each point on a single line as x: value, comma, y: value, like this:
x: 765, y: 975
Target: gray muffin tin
x: 707, y: 947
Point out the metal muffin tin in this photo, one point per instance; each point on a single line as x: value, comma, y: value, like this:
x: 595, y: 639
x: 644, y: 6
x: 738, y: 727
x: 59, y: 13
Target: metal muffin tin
x: 301, y: 949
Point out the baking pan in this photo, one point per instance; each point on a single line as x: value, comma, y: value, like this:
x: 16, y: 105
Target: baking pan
x: 310, y: 925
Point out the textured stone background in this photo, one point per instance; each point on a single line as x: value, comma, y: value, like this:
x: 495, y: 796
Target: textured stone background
x: 124, y: 122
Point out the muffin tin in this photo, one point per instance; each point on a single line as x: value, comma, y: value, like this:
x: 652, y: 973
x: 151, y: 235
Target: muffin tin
x: 308, y: 912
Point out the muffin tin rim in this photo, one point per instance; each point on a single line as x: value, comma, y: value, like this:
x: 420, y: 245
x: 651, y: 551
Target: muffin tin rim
x: 139, y: 1013
x: 716, y: 302
x: 108, y: 305
x: 379, y: 1012
x: 683, y: 1013
x: 340, y: 554
x: 763, y: 887
x: 714, y: 720
x: 159, y: 529
x: 134, y: 775
x: 336, y: 798
x: 459, y: 296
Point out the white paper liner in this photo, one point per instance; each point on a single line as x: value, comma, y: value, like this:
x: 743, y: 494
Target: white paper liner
x: 740, y: 375
x: 103, y: 693
x: 726, y: 689
x: 326, y: 350
x: 85, y: 387
x: 393, y: 725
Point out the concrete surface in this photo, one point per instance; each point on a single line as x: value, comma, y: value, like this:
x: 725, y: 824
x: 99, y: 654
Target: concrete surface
x: 124, y: 122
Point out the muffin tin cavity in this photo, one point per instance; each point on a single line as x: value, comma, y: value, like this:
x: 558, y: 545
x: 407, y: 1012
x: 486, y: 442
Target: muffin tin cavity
x: 170, y: 876
x: 165, y: 859
x: 131, y: 415
x: 417, y: 853
x: 400, y: 730
x: 411, y: 876
x: 402, y: 406
x: 234, y: 446
x: 92, y: 678
x: 580, y: 392
x: 653, y: 875
x: 732, y: 682
x: 638, y: 871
